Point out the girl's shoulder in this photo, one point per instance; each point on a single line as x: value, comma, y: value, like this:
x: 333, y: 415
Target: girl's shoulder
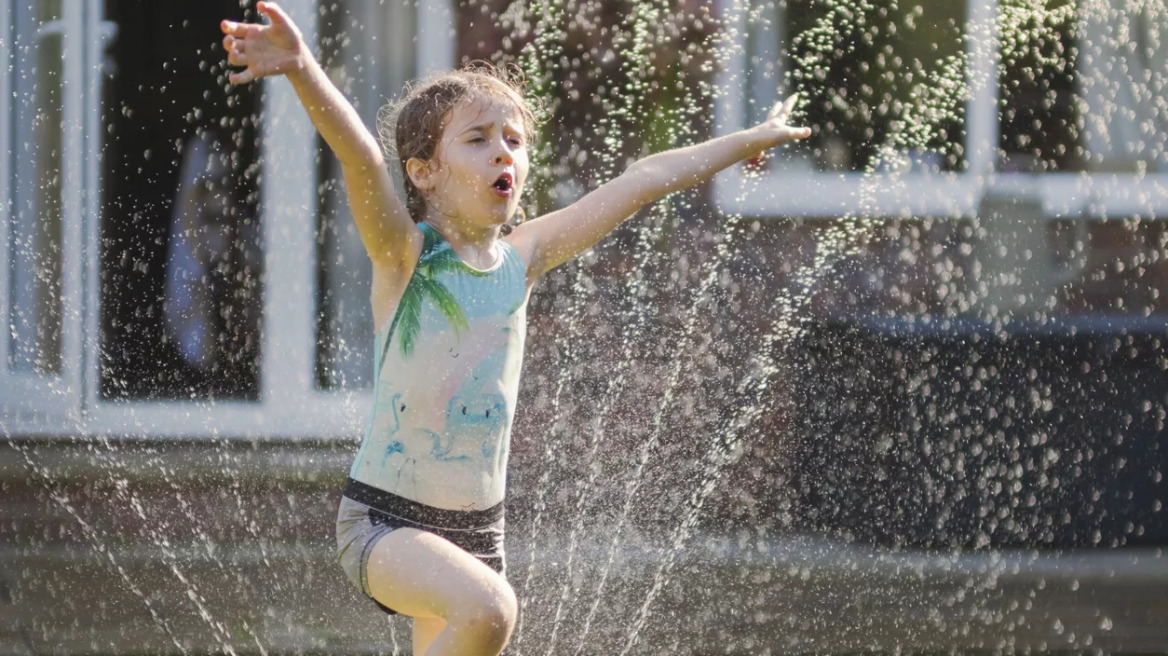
x: 517, y: 245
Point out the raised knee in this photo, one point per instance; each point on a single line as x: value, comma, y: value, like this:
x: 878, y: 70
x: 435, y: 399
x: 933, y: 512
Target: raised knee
x: 490, y: 619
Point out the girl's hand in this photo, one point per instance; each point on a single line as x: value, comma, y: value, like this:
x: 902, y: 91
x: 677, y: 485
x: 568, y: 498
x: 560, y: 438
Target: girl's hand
x: 274, y: 49
x: 777, y: 130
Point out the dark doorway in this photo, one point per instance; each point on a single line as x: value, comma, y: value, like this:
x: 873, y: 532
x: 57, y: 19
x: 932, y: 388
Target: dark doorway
x: 181, y: 291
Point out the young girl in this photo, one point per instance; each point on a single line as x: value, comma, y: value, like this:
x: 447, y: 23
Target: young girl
x: 420, y: 525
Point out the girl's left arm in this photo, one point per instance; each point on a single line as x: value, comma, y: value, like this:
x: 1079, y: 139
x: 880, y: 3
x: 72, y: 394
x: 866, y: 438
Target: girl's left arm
x: 558, y: 236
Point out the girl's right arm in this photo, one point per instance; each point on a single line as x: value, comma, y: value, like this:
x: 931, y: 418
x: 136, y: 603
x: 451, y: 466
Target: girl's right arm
x: 389, y: 234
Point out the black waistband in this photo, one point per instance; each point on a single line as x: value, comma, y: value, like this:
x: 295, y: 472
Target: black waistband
x: 413, y: 511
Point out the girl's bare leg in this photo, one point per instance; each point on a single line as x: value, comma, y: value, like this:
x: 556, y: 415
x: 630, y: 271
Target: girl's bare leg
x: 426, y: 630
x: 424, y: 576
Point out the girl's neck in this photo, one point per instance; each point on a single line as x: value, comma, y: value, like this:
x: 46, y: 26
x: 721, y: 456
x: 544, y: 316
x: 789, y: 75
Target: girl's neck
x: 474, y: 245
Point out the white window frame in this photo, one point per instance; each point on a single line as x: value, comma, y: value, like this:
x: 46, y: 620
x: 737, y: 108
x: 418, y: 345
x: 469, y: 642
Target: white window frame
x: 36, y: 398
x: 779, y: 193
x: 290, y: 404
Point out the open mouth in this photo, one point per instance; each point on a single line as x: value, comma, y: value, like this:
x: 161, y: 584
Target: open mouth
x: 504, y: 183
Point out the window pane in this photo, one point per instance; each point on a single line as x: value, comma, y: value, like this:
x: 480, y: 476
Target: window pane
x: 1082, y: 89
x: 35, y: 229
x: 1040, y: 122
x: 1122, y: 70
x: 368, y: 51
x: 882, y: 79
x: 180, y: 235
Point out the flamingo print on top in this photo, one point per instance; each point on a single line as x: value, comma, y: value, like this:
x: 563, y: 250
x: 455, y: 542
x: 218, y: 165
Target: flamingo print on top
x: 446, y: 374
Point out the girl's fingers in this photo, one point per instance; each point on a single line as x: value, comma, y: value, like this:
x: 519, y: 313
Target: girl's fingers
x: 232, y: 44
x: 235, y: 50
x: 783, y: 109
x: 789, y: 106
x: 274, y: 13
x: 242, y: 77
x: 775, y: 110
x: 238, y: 30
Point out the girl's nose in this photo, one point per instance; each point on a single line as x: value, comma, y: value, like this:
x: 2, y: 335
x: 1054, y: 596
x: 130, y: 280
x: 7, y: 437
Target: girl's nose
x: 503, y: 157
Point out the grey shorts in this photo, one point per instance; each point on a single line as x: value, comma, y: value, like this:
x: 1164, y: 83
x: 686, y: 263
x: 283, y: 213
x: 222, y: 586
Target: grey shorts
x: 366, y: 514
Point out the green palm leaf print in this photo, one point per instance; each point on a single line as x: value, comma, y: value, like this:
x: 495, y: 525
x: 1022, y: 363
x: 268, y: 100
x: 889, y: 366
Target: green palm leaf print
x: 441, y: 297
x: 424, y: 286
x: 409, y: 315
x: 430, y: 238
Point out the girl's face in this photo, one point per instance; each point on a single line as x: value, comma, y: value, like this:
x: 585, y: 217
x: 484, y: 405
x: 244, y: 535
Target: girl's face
x: 480, y: 165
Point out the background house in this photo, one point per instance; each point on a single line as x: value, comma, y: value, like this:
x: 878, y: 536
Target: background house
x: 893, y: 390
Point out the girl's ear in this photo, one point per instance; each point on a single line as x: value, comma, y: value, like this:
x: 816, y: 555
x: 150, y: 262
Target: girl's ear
x: 420, y: 173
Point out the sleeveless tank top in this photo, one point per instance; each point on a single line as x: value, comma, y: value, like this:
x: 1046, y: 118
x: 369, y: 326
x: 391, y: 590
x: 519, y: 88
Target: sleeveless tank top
x: 446, y: 378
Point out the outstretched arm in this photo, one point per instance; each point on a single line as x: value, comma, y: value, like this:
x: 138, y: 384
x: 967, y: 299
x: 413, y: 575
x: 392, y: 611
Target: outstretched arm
x: 386, y: 229
x: 558, y: 236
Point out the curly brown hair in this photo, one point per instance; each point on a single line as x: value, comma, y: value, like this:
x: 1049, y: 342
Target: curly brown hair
x: 412, y: 126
